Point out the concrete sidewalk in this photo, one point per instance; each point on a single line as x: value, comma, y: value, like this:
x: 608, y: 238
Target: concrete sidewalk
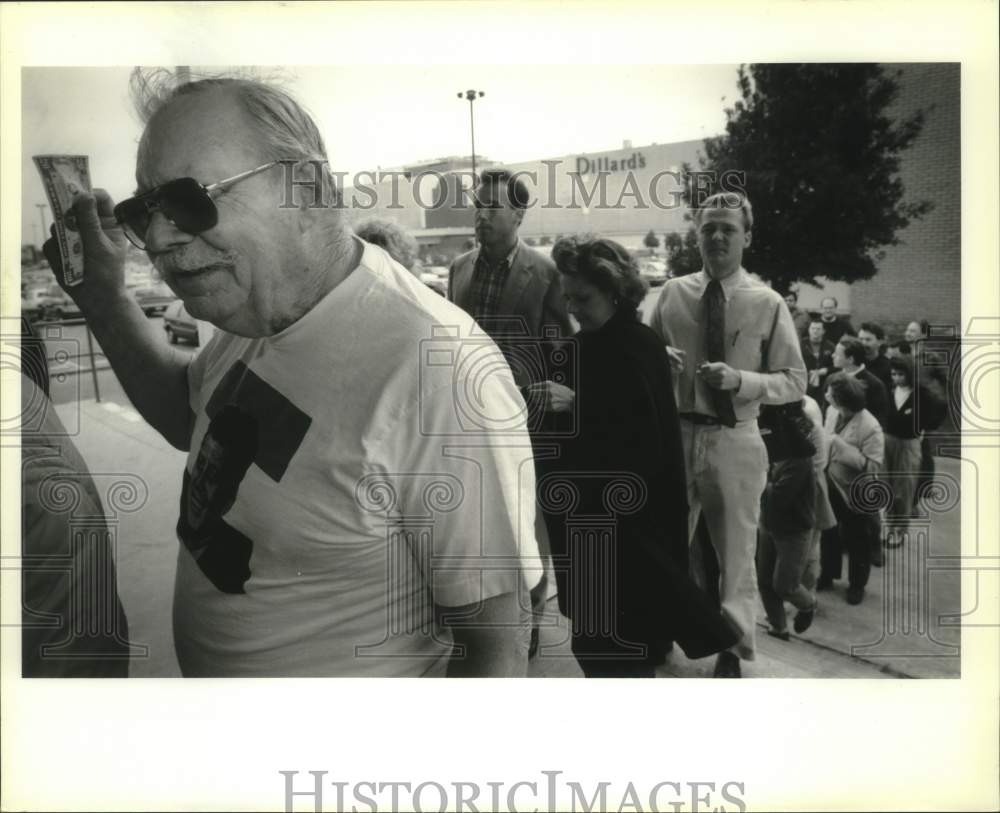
x: 896, y: 632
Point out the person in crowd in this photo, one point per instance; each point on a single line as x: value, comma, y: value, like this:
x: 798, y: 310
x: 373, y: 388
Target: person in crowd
x: 932, y: 382
x: 857, y: 447
x: 872, y: 337
x: 716, y: 324
x: 515, y: 295
x: 799, y: 317
x: 825, y: 520
x: 512, y: 291
x: 903, y: 432
x: 817, y: 353
x: 898, y: 348
x: 319, y: 350
x: 835, y: 326
x: 849, y: 356
x: 389, y: 235
x: 629, y: 595
x: 916, y: 330
x: 73, y: 623
x: 787, y: 517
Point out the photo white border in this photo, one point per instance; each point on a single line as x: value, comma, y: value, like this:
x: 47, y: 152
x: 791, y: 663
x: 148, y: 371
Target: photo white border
x: 218, y: 745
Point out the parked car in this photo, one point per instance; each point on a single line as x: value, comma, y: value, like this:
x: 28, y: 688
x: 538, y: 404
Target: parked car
x: 179, y: 324
x: 653, y: 271
x: 154, y: 299
x: 54, y: 304
x: 33, y: 303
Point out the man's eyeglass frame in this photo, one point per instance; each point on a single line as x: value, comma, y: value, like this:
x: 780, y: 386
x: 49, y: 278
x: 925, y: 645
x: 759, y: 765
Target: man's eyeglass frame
x: 196, y: 223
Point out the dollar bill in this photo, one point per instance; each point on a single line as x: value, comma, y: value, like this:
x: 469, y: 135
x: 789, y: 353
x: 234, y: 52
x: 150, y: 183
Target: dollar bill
x: 65, y: 176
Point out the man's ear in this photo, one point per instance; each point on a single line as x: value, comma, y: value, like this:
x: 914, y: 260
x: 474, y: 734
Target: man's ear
x: 312, y: 186
x: 746, y: 239
x: 518, y: 216
x: 316, y: 196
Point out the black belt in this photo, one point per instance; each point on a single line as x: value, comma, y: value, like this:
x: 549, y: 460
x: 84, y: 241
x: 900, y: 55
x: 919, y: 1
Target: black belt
x: 699, y: 418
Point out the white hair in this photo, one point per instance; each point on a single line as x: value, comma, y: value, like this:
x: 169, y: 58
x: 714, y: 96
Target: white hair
x: 283, y: 127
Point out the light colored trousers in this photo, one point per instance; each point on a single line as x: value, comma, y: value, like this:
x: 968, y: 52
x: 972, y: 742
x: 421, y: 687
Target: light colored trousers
x: 811, y: 574
x: 902, y: 461
x: 726, y: 474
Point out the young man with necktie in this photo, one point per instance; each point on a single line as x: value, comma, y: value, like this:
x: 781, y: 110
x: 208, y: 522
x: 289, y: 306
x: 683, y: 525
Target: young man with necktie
x: 734, y: 347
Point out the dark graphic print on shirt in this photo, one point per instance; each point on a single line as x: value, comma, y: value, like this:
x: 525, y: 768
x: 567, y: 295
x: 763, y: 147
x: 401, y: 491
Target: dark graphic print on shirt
x: 251, y: 422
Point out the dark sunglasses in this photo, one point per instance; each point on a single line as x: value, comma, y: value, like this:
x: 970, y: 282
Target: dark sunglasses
x: 186, y: 203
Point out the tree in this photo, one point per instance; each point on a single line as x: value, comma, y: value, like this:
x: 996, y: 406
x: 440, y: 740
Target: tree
x: 651, y: 241
x: 821, y: 156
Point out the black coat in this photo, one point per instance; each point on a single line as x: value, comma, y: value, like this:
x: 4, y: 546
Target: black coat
x: 816, y: 362
x: 922, y: 411
x: 876, y: 397
x: 879, y: 366
x: 627, y: 430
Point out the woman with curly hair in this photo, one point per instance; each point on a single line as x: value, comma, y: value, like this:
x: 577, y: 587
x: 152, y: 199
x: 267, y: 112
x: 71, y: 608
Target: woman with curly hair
x: 619, y: 541
x: 857, y: 447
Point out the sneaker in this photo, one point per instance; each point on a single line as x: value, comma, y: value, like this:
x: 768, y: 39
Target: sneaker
x: 824, y: 584
x: 727, y: 666
x: 804, y: 618
x: 781, y: 635
x: 855, y: 595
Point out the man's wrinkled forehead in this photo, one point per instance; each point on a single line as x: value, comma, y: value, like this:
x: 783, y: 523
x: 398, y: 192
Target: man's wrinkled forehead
x: 187, y: 135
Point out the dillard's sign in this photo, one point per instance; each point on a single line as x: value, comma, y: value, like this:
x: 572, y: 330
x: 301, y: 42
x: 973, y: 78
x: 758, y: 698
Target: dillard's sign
x: 604, y: 163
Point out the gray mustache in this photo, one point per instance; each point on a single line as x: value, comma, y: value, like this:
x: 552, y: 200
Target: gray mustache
x: 187, y: 265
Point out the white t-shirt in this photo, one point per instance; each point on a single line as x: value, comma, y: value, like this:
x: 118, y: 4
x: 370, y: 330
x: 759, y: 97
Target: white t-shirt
x: 387, y: 469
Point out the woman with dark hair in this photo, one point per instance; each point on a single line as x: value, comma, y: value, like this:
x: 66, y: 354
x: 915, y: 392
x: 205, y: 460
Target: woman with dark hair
x: 857, y: 447
x: 903, y: 432
x: 615, y: 499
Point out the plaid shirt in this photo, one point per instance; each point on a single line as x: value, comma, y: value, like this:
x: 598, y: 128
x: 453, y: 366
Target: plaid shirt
x: 487, y: 285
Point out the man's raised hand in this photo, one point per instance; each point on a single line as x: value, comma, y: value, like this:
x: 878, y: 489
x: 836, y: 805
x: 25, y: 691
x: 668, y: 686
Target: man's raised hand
x: 92, y: 215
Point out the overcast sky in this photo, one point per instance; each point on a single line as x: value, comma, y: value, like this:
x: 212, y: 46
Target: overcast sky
x: 387, y: 116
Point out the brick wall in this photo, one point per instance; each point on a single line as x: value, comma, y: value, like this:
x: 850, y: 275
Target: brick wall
x: 921, y: 277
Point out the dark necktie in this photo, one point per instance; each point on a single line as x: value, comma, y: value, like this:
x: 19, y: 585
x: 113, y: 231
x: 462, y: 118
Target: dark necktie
x: 715, y: 345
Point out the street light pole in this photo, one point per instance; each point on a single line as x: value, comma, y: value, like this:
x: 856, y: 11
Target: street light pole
x: 472, y: 95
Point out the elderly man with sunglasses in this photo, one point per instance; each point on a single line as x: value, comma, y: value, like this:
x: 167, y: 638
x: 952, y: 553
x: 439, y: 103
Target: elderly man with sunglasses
x: 338, y: 517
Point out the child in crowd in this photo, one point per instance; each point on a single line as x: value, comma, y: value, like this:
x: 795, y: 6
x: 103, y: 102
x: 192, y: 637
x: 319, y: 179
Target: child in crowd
x: 787, y: 517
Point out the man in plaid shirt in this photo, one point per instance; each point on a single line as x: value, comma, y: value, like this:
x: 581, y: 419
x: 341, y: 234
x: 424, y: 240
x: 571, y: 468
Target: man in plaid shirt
x: 515, y: 295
